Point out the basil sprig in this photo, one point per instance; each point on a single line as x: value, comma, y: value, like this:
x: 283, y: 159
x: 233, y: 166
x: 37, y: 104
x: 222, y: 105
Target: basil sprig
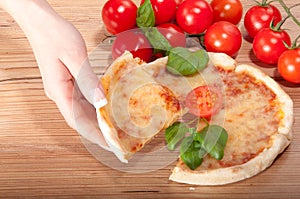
x: 180, y: 60
x: 191, y: 152
x: 157, y: 40
x: 213, y: 139
x: 183, y: 61
x: 210, y: 140
x: 145, y: 15
x: 175, y: 133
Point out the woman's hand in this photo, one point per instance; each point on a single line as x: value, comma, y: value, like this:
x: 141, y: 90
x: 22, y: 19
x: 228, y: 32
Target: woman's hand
x: 61, y: 55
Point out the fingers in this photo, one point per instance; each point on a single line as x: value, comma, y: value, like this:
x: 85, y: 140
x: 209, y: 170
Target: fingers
x: 86, y: 120
x: 75, y: 58
x: 90, y: 85
x: 64, y: 104
x: 79, y: 114
x: 77, y: 111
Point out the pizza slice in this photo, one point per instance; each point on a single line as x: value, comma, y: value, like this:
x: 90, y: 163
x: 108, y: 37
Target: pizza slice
x: 138, y: 107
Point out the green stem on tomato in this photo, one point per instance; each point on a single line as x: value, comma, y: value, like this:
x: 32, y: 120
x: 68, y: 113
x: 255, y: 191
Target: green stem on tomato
x: 264, y: 3
x: 278, y: 25
x: 294, y: 45
x: 288, y: 11
x: 298, y: 4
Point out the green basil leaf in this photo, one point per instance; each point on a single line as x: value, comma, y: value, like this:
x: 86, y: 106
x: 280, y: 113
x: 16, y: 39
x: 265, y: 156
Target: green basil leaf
x: 217, y: 152
x: 145, y: 15
x: 183, y: 61
x: 191, y: 153
x: 185, y: 144
x: 157, y: 40
x: 213, y: 139
x: 192, y: 131
x: 200, y: 136
x: 175, y: 133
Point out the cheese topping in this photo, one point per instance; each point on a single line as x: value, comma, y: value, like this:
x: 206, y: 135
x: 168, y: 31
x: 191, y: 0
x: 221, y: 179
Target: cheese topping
x: 138, y: 107
x: 250, y: 116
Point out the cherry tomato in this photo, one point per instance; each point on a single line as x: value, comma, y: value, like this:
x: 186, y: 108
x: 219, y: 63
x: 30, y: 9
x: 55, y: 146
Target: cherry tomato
x: 268, y: 45
x: 289, y: 65
x: 178, y: 2
x: 119, y: 15
x: 133, y: 41
x: 173, y: 34
x: 204, y: 101
x: 223, y: 37
x: 164, y: 10
x: 259, y: 17
x: 227, y: 10
x: 194, y: 16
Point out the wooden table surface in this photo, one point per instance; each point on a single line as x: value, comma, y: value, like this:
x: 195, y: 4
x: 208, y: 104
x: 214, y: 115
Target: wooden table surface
x: 40, y: 156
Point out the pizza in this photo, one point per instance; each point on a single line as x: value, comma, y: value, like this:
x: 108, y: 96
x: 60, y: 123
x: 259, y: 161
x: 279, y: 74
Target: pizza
x: 138, y: 107
x: 144, y: 99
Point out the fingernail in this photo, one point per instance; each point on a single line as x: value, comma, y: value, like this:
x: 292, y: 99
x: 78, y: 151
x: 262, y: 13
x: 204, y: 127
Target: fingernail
x: 99, y: 98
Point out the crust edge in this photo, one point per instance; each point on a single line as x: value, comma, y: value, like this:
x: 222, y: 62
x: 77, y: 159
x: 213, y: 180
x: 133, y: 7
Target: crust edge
x: 236, y: 173
x: 256, y: 165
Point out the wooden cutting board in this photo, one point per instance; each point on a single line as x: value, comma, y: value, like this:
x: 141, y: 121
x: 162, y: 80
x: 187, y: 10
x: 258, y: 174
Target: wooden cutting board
x: 40, y: 156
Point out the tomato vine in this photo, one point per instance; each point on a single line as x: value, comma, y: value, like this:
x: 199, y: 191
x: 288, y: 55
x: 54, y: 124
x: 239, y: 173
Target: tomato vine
x: 296, y: 21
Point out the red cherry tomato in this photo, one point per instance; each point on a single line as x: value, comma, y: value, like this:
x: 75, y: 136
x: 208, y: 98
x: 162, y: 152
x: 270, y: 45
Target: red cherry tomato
x: 289, y: 65
x: 204, y: 101
x: 227, y: 10
x: 173, y: 34
x: 119, y: 15
x: 223, y: 37
x: 194, y: 16
x: 164, y: 10
x: 259, y: 17
x: 133, y: 41
x: 268, y: 45
x: 178, y: 2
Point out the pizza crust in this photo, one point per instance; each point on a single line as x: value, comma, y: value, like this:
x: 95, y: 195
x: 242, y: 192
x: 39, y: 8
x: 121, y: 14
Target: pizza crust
x: 235, y: 173
x: 218, y: 176
x: 263, y: 160
x: 107, y: 128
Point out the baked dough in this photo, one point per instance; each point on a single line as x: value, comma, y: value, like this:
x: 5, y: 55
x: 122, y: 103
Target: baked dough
x: 257, y: 114
x: 252, y: 122
x: 138, y: 107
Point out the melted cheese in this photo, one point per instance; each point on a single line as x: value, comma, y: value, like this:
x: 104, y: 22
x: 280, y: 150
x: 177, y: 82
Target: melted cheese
x: 138, y: 106
x: 145, y: 99
x: 250, y: 118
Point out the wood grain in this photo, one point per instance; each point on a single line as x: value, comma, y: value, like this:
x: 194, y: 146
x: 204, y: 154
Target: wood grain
x: 41, y: 157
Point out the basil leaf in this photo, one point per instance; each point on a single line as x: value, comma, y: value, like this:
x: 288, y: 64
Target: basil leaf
x: 191, y: 152
x: 200, y: 136
x: 157, y: 40
x: 175, y: 133
x: 213, y: 139
x: 145, y: 15
x: 183, y: 61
